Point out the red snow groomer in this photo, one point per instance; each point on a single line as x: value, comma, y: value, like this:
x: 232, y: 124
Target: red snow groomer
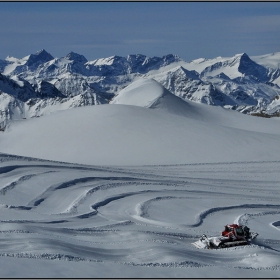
x: 235, y: 232
x: 233, y: 235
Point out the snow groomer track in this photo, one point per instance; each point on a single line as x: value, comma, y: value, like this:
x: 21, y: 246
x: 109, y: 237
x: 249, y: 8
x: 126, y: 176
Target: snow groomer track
x: 138, y: 216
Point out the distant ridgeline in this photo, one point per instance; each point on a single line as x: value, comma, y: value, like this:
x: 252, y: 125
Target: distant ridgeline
x: 40, y: 84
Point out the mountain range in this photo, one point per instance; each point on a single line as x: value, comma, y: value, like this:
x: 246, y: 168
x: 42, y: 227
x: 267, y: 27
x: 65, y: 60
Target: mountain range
x: 39, y: 84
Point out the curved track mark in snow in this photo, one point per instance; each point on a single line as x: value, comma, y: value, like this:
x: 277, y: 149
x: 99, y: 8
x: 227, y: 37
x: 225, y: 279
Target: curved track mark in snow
x: 12, y: 185
x: 84, y: 213
x: 276, y: 225
x: 200, y: 217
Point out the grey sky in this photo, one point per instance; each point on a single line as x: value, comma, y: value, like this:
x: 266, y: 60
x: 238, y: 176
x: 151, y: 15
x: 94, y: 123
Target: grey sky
x: 101, y: 29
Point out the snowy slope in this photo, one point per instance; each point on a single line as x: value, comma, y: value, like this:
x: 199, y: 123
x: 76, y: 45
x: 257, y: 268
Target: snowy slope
x: 148, y: 175
x: 131, y: 134
x: 62, y: 220
x: 143, y: 93
x: 271, y: 60
x: 237, y: 66
x: 27, y: 63
x: 272, y: 63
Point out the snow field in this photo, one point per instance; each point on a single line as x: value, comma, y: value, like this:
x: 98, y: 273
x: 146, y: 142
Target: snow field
x: 140, y: 216
x: 167, y: 130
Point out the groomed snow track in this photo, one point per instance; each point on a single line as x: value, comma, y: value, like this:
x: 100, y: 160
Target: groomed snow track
x: 138, y: 216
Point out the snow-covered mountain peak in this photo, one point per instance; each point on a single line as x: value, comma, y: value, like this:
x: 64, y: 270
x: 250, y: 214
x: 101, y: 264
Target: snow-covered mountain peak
x: 43, y: 52
x: 136, y: 62
x: 239, y: 55
x: 238, y: 82
x: 250, y: 68
x: 244, y: 56
x: 170, y: 58
x: 237, y: 66
x: 160, y: 61
x: 76, y: 57
x: 133, y: 57
x: 40, y: 57
x: 237, y: 59
x: 107, y: 61
x: 189, y: 74
x: 223, y: 76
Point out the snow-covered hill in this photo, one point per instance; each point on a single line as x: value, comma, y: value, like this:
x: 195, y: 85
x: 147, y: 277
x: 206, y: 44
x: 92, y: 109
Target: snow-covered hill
x: 145, y: 124
x: 240, y: 83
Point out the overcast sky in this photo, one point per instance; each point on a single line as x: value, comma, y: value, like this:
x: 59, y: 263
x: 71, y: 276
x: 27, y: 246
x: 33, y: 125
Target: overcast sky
x: 101, y: 29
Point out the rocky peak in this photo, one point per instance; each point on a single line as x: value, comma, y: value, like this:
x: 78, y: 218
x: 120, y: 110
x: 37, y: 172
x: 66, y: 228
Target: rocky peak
x: 40, y: 57
x: 76, y: 57
x: 170, y: 58
x: 250, y: 68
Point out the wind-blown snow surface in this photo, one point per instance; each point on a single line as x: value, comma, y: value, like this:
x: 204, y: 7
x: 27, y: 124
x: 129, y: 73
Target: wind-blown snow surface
x: 177, y: 170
